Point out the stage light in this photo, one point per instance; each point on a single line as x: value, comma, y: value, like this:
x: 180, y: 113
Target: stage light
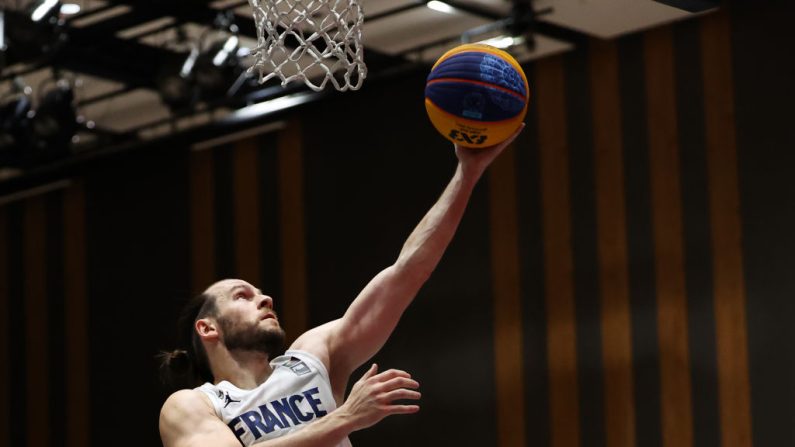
x: 205, y: 72
x: 55, y: 121
x: 503, y: 41
x: 216, y: 66
x: 438, y: 6
x: 70, y: 9
x: 175, y: 82
x: 227, y: 51
x: 45, y: 10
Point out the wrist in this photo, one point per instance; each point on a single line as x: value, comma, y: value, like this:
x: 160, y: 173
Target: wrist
x: 469, y: 173
x: 345, y: 420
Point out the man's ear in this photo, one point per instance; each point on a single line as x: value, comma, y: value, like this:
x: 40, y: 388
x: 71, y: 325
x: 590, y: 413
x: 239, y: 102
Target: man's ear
x: 207, y: 329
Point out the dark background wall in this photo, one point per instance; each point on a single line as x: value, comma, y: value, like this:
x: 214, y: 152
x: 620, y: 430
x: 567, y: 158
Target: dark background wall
x: 621, y: 276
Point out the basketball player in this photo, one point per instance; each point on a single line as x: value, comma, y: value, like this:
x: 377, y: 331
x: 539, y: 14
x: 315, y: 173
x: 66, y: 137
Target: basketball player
x: 297, y: 399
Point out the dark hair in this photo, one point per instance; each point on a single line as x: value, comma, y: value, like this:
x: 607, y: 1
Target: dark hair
x: 188, y: 367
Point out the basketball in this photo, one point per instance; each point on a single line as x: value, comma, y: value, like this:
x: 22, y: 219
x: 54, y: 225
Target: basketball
x: 476, y: 95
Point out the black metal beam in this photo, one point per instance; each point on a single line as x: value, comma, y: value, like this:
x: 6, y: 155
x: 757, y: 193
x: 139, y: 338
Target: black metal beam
x: 692, y: 5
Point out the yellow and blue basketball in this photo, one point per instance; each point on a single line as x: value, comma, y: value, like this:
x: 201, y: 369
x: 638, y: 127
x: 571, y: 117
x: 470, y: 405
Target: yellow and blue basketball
x: 476, y: 95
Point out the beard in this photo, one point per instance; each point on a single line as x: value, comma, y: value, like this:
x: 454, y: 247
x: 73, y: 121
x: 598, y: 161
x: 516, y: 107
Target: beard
x: 239, y: 336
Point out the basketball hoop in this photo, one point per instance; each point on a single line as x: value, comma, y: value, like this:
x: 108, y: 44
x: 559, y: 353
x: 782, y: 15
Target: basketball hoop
x: 314, y: 41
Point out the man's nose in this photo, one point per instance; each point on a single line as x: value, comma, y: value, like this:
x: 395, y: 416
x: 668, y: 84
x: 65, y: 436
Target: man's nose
x: 265, y: 301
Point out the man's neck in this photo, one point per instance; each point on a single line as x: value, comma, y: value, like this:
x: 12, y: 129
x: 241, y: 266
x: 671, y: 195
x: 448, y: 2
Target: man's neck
x: 243, y: 369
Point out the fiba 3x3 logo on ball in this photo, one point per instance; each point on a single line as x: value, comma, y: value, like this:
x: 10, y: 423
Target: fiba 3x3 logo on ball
x: 476, y: 95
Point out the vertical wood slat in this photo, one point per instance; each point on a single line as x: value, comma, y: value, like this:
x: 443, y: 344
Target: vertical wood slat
x: 676, y: 411
x: 558, y: 255
x: 76, y: 314
x: 291, y: 212
x: 36, y: 324
x: 247, y: 213
x: 612, y: 247
x: 5, y: 354
x: 508, y: 351
x: 202, y: 220
x: 734, y: 391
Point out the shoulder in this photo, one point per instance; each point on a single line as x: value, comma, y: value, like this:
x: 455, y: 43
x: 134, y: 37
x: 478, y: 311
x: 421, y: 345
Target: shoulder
x: 316, y: 341
x: 188, y: 419
x: 184, y: 406
x: 323, y: 342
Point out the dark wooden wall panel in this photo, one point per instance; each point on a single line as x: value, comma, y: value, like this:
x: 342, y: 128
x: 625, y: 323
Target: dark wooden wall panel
x: 293, y: 234
x: 531, y: 258
x: 583, y: 217
x: 76, y: 314
x: 640, y: 242
x: 612, y: 236
x: 558, y: 263
x: 505, y: 274
x: 247, y: 212
x: 137, y: 261
x: 5, y: 339
x: 666, y: 196
x: 15, y: 226
x: 36, y: 328
x: 202, y: 228
x: 696, y: 228
x: 730, y: 305
x: 763, y: 91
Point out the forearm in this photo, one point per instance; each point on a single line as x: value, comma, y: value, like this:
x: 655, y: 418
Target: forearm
x: 327, y: 431
x: 424, y: 248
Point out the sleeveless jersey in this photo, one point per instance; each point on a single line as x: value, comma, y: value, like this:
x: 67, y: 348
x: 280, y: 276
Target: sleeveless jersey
x: 297, y: 392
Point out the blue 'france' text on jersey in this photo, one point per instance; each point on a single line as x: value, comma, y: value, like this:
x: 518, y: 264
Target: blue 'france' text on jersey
x: 297, y: 392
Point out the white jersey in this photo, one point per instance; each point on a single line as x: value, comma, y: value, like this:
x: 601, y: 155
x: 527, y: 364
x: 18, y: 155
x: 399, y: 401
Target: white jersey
x: 297, y: 392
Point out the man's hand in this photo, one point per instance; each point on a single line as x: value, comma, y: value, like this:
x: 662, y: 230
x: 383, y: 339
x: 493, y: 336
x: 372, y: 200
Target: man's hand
x: 372, y: 397
x: 476, y: 160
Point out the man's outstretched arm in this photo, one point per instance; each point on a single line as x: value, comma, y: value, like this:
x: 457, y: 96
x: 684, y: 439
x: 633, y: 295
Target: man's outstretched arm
x: 375, y: 312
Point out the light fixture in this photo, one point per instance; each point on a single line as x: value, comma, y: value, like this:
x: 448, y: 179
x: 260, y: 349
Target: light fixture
x: 34, y: 31
x: 216, y: 66
x: 54, y: 123
x: 45, y: 9
x: 205, y: 72
x: 175, y: 83
x: 70, y: 9
x: 438, y: 6
x: 228, y: 50
x: 264, y: 108
x: 2, y: 32
x: 503, y: 42
x: 190, y: 62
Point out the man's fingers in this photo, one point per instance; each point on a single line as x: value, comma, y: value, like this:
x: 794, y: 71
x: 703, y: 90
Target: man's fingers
x: 402, y: 409
x: 401, y: 393
x: 399, y: 382
x: 370, y: 372
x: 392, y: 373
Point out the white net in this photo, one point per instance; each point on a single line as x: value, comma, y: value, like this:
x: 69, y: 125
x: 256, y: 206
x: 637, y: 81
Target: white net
x: 314, y: 41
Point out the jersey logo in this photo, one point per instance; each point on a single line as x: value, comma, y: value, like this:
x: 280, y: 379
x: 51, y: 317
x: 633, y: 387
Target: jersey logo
x: 228, y: 400
x: 297, y: 366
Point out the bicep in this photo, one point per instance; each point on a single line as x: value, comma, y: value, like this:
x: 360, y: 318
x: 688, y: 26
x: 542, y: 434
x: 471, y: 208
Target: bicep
x: 187, y: 420
x: 373, y: 316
